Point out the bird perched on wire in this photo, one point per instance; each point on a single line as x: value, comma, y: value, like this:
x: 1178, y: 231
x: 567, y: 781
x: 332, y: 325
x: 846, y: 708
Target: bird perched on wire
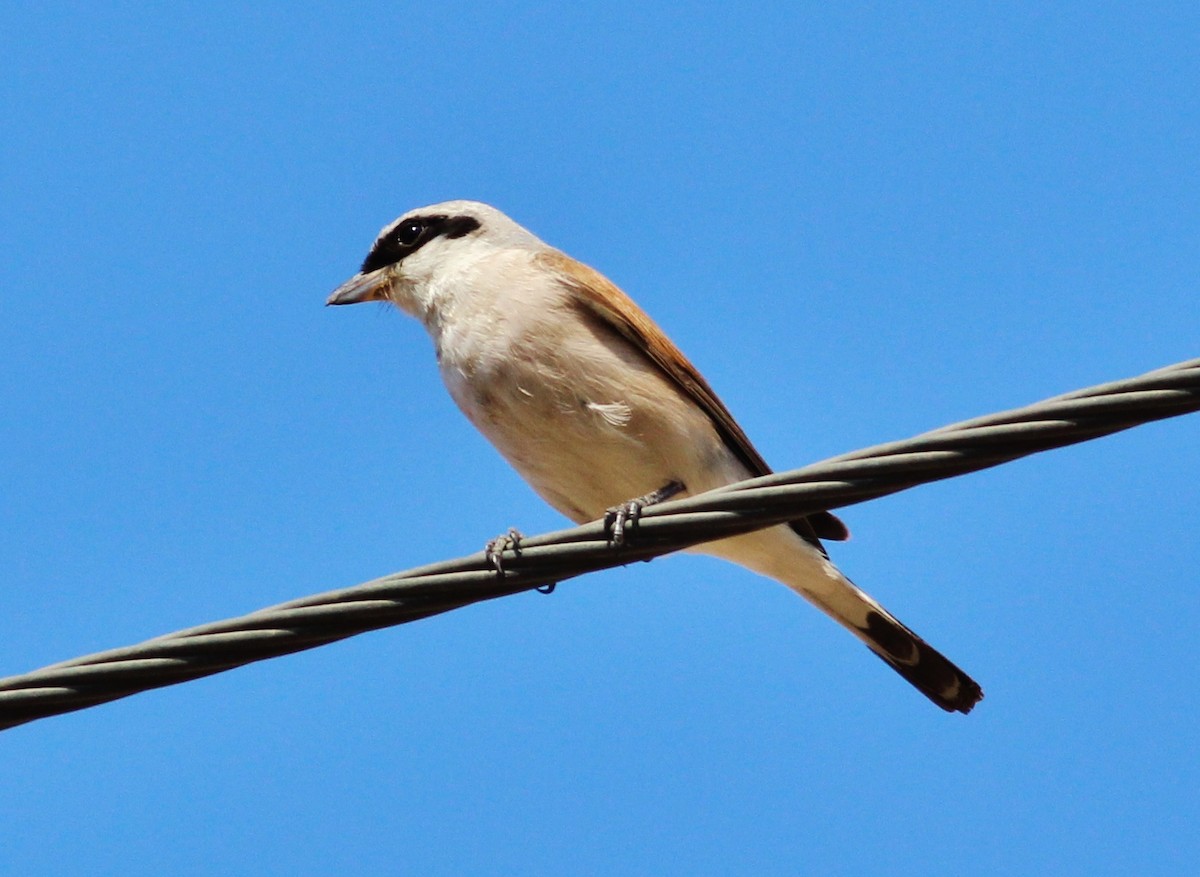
x: 598, y: 410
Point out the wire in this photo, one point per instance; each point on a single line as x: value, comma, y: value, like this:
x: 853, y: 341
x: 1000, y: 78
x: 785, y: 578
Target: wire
x: 544, y: 560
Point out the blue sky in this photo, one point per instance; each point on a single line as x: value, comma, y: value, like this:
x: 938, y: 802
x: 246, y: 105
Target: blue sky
x: 861, y: 222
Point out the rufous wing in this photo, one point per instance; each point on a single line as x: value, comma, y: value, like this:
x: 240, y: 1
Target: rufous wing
x: 616, y: 309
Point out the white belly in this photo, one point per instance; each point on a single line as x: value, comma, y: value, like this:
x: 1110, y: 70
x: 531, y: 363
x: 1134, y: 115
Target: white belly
x: 589, y: 432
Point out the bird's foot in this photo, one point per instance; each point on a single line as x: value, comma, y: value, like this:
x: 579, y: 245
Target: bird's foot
x: 625, y: 516
x: 495, y: 548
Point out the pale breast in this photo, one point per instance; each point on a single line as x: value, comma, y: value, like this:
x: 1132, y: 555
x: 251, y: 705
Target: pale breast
x: 587, y: 419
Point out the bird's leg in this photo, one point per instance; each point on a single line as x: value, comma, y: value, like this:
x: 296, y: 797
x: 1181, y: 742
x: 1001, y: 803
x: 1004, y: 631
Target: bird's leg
x: 495, y: 548
x: 619, y: 517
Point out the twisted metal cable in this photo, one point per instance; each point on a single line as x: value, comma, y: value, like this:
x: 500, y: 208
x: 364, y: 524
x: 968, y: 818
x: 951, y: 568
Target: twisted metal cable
x: 544, y: 560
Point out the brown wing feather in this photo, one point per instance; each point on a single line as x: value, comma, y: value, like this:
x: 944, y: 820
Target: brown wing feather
x: 618, y: 310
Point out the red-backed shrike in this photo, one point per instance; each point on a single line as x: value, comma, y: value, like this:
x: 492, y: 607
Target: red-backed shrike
x: 593, y: 404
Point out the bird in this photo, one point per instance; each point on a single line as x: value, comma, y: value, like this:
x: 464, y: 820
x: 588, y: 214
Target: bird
x: 598, y: 410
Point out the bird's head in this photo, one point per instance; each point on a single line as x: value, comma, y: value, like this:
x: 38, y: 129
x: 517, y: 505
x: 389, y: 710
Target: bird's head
x: 425, y: 248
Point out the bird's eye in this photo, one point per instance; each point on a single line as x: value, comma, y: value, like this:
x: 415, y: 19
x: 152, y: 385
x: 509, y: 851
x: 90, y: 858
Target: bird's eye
x: 409, y: 232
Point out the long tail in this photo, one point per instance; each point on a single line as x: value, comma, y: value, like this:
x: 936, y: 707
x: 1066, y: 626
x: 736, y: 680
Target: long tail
x: 784, y: 556
x: 927, y: 669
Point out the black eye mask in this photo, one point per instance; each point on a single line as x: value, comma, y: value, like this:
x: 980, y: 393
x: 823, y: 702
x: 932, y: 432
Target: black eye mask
x: 410, y: 234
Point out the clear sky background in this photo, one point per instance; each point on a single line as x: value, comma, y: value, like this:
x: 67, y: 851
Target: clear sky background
x: 861, y: 222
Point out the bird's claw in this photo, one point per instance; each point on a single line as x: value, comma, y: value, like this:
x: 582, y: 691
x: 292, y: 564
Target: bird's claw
x: 625, y: 516
x: 495, y: 548
x: 621, y: 516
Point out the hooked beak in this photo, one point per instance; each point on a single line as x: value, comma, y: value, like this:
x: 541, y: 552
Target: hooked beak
x: 374, y: 286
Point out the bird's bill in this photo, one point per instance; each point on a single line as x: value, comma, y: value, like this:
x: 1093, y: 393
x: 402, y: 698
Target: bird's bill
x: 362, y: 287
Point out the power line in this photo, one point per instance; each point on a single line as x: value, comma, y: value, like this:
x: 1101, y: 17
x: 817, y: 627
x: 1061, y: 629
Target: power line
x: 543, y: 560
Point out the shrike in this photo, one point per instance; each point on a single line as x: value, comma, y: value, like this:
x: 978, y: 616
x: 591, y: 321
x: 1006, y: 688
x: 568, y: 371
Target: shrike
x: 593, y: 405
